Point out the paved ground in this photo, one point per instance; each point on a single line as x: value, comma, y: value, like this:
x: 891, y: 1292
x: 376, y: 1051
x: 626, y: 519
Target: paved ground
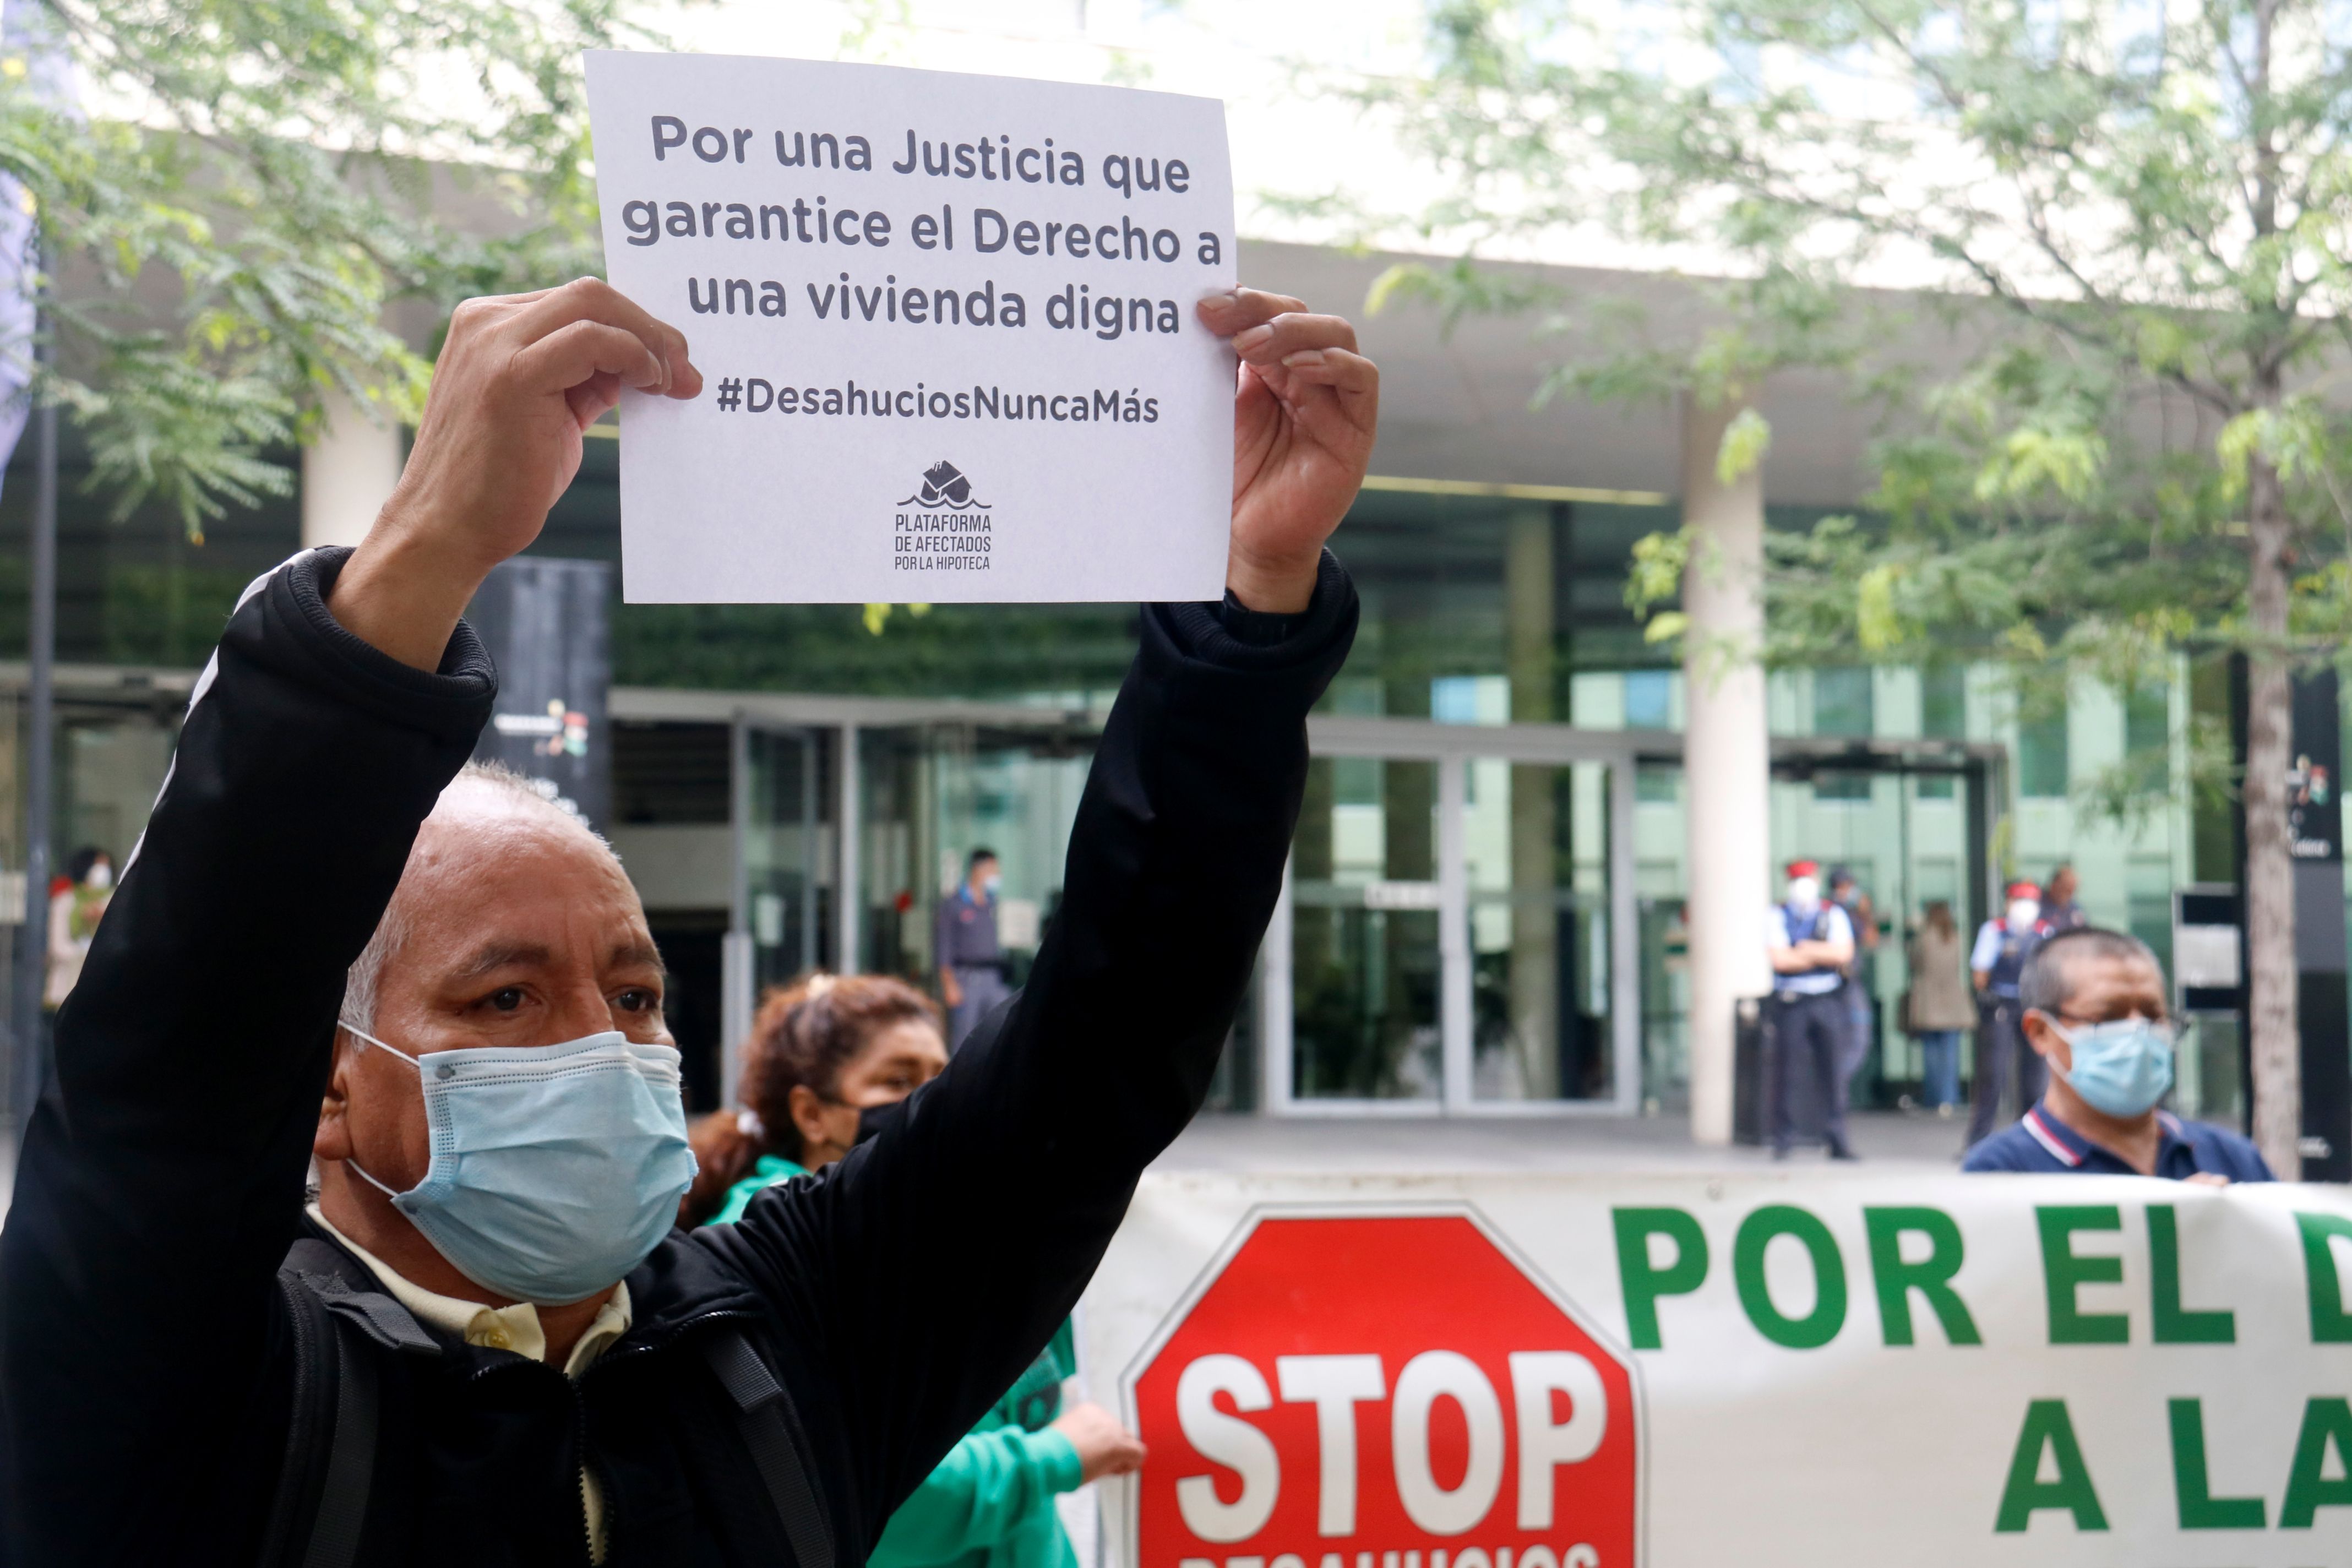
x: 1888, y: 1139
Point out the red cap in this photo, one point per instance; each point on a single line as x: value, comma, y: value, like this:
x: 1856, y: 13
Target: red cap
x: 1805, y: 868
x: 2024, y: 891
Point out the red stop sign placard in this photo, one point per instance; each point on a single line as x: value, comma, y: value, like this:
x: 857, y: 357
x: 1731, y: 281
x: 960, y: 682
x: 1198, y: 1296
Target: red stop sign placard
x: 1380, y: 1390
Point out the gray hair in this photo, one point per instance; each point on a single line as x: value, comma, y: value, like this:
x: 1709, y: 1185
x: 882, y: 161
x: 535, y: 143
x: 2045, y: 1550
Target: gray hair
x: 535, y: 798
x: 2044, y: 987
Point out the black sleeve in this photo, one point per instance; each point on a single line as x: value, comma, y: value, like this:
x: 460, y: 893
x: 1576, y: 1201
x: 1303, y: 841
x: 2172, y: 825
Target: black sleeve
x: 162, y: 1182
x: 914, y: 1280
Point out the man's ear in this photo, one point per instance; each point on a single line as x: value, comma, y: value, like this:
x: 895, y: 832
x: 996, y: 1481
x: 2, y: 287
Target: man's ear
x: 2046, y: 1041
x: 333, y: 1140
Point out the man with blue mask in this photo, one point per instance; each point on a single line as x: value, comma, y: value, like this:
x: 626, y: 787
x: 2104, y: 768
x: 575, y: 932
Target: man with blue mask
x: 480, y: 1341
x: 2093, y: 1010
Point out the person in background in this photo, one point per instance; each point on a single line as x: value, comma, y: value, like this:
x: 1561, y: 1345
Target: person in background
x: 821, y: 1054
x: 2060, y: 913
x: 1860, y: 976
x: 2093, y: 1011
x: 1938, y: 1005
x: 77, y: 899
x: 1998, y: 963
x: 1809, y: 943
x: 972, y: 964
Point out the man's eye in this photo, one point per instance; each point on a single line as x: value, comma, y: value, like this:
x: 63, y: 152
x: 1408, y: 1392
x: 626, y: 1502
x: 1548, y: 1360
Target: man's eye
x: 637, y: 1001
x: 508, y: 999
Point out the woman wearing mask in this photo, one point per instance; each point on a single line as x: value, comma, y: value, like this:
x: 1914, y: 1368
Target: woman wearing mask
x: 1938, y: 1004
x: 820, y: 1054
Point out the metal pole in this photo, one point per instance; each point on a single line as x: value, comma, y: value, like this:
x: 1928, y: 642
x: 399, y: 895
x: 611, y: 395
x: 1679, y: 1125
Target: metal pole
x: 846, y: 894
x: 40, y: 717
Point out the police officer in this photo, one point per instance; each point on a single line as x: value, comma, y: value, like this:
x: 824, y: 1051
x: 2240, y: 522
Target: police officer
x: 1998, y: 966
x: 972, y: 964
x: 1810, y: 943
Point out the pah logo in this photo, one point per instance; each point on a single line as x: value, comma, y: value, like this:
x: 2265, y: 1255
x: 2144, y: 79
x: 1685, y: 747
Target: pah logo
x: 943, y: 527
x: 945, y: 485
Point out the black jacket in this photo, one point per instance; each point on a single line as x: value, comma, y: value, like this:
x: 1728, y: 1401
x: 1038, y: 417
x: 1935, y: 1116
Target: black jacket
x: 145, y: 1360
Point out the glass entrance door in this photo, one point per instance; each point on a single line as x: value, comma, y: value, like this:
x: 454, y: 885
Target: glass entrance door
x: 1536, y: 840
x: 1909, y: 834
x: 780, y: 920
x: 1365, y: 978
x: 1450, y: 938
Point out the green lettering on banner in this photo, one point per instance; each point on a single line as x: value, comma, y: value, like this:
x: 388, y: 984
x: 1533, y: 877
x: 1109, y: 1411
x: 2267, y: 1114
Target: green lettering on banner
x: 1757, y: 1232
x: 2308, y: 1487
x: 2176, y: 1324
x: 2192, y: 1484
x: 2048, y: 1427
x: 1931, y: 1275
x: 2330, y: 1324
x: 1642, y: 1281
x: 2064, y: 1273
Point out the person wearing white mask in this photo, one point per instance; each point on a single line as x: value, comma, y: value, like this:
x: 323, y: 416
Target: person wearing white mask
x: 75, y: 909
x: 1809, y: 942
x: 1997, y: 966
x: 2094, y: 1012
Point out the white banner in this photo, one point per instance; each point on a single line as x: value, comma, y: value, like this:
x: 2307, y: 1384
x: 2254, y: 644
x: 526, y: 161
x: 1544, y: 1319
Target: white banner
x: 1696, y: 1372
x: 946, y: 328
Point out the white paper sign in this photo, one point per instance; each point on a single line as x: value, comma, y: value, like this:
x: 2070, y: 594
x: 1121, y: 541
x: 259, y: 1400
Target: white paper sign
x: 945, y: 325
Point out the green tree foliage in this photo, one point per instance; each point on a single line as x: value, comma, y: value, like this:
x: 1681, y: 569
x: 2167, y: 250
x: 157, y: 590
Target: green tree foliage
x: 251, y: 193
x: 2109, y: 244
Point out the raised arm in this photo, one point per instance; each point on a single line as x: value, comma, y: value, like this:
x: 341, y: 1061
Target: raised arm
x: 917, y: 1277
x: 159, y: 1186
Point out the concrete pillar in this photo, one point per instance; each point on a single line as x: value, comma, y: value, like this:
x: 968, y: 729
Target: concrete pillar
x: 1529, y: 622
x: 1727, y: 760
x: 347, y: 473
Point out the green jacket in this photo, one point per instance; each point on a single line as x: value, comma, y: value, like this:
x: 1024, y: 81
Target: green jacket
x: 990, y: 1503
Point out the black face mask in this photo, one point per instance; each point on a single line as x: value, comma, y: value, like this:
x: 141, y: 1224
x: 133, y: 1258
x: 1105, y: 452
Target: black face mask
x: 875, y: 1119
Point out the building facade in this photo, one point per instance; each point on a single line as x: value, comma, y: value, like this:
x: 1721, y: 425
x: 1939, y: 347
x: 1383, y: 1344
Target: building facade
x: 1483, y: 911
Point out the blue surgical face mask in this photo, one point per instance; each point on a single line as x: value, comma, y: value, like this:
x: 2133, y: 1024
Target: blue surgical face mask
x: 2121, y: 1067
x: 991, y: 883
x: 555, y: 1169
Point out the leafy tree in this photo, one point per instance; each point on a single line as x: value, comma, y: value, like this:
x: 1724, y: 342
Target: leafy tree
x: 254, y: 197
x: 2121, y: 230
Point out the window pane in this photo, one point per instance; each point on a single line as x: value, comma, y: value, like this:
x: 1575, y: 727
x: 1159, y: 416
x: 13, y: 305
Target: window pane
x: 1943, y: 702
x: 2042, y: 756
x: 1841, y: 703
x: 2147, y: 735
x: 1647, y: 699
x: 1537, y: 838
x: 1364, y: 947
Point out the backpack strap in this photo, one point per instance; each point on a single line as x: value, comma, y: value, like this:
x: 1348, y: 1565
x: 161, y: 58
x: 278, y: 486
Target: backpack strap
x: 770, y: 1426
x: 339, y: 1320
x: 350, y: 1463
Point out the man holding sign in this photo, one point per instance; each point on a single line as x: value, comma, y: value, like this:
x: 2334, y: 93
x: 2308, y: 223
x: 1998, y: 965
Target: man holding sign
x: 486, y: 1346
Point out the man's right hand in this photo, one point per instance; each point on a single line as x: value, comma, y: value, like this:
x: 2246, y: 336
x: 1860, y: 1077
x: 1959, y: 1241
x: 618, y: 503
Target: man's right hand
x: 1105, y: 1448
x: 520, y: 378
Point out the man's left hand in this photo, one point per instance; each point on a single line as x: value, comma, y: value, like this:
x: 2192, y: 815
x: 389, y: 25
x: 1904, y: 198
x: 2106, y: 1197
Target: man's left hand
x: 1306, y: 411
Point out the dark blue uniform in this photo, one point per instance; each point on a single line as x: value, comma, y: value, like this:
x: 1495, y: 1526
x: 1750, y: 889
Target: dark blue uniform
x: 1809, y: 1024
x: 2039, y: 1141
x: 2002, y: 1052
